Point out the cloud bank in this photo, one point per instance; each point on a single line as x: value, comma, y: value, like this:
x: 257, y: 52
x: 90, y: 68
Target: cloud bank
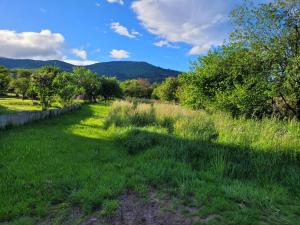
x: 43, y: 45
x: 199, y: 23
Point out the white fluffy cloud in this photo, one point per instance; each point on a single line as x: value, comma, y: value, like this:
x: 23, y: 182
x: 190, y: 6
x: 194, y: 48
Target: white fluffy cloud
x: 80, y: 62
x: 164, y: 43
x: 119, y: 54
x: 81, y: 53
x: 201, y: 24
x: 121, y: 2
x: 33, y: 45
x: 118, y: 28
x: 43, y: 45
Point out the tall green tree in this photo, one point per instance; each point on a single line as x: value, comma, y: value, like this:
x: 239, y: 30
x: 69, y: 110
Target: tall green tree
x: 167, y: 91
x: 4, y: 80
x: 42, y: 83
x: 21, y: 86
x: 272, y: 30
x: 257, y: 72
x: 110, y: 88
x: 137, y: 88
x: 66, y: 87
x: 89, y: 83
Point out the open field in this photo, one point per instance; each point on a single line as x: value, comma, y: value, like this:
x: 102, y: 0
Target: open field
x: 186, y: 164
x: 13, y: 105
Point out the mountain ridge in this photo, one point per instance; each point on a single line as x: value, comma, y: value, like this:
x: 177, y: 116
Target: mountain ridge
x: 123, y: 70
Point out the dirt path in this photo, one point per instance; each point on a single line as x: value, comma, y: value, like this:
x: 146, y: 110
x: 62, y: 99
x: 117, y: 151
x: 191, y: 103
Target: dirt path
x: 135, y: 210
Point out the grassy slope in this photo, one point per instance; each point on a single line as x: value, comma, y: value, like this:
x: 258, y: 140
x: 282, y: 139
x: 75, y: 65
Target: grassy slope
x: 66, y: 159
x: 12, y: 105
x: 71, y: 160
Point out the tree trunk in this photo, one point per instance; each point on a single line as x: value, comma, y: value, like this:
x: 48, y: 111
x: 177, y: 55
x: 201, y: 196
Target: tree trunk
x: 298, y: 109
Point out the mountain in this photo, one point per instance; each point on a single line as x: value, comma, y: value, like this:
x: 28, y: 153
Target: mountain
x: 123, y: 70
x: 33, y: 64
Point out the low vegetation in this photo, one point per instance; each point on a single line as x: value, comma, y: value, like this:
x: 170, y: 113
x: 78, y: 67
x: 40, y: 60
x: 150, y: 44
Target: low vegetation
x: 12, y: 105
x: 220, y: 143
x: 237, y: 168
x: 85, y: 160
x: 47, y: 166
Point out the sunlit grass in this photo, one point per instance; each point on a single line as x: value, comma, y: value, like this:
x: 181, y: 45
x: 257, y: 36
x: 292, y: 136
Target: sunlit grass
x: 49, y: 166
x: 13, y: 105
x: 66, y: 159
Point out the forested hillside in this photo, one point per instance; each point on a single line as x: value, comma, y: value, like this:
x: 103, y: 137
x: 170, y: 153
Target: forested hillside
x: 123, y: 70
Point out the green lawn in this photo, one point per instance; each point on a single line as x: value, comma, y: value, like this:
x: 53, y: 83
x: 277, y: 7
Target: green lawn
x: 13, y: 105
x: 52, y: 165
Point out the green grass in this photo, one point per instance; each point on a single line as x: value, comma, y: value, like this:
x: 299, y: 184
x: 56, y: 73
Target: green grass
x: 13, y: 105
x: 52, y: 165
x: 64, y: 160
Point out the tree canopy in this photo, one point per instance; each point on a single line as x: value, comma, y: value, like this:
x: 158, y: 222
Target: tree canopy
x: 256, y: 73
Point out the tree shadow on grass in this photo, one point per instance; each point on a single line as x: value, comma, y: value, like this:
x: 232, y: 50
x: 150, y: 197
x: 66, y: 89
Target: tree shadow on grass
x: 63, y: 160
x: 232, y: 161
x: 4, y: 110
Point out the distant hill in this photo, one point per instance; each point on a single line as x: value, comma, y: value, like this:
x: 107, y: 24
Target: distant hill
x: 33, y: 64
x: 123, y: 70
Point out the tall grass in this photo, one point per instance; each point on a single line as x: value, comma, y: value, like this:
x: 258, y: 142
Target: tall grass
x: 49, y: 167
x: 266, y: 150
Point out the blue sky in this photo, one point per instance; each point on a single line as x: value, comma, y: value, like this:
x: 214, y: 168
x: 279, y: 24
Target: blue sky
x: 167, y: 33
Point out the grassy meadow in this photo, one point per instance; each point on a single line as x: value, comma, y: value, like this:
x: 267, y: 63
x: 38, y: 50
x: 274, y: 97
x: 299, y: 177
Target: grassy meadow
x: 10, y: 105
x: 237, y: 171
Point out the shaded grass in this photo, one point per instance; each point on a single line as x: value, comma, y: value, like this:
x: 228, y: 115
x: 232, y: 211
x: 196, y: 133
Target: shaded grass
x: 232, y: 168
x: 72, y: 161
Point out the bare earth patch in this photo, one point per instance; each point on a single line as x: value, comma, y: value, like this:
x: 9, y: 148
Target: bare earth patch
x: 135, y: 210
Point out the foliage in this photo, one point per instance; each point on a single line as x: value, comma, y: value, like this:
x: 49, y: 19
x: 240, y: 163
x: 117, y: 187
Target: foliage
x: 66, y: 87
x: 48, y: 85
x: 21, y: 73
x: 256, y: 74
x: 137, y: 88
x: 21, y: 86
x: 4, y: 80
x: 42, y: 82
x: 167, y: 91
x: 110, y: 88
x: 272, y: 32
x: 89, y: 82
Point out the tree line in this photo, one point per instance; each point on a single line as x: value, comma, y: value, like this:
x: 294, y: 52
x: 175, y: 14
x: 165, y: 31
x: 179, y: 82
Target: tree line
x: 255, y: 74
x: 49, y: 84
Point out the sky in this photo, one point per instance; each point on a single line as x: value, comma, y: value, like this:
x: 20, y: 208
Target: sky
x: 166, y: 33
